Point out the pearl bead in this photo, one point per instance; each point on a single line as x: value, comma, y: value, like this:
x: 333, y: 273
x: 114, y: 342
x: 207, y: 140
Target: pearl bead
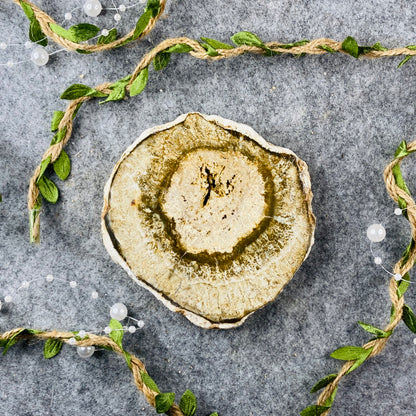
x: 376, y: 233
x: 132, y: 329
x: 94, y: 295
x: 85, y: 352
x: 92, y: 8
x: 82, y: 334
x: 3, y: 45
x: 39, y: 56
x: 107, y: 330
x: 397, y: 277
x: 25, y: 284
x: 122, y: 7
x: 105, y: 32
x: 378, y: 260
x: 10, y: 64
x: 68, y: 16
x: 398, y: 211
x: 117, y: 17
x: 28, y: 44
x: 8, y: 299
x: 49, y: 278
x: 414, y: 341
x: 118, y: 311
x: 72, y: 341
x: 140, y: 324
x: 73, y: 284
x: 0, y: 305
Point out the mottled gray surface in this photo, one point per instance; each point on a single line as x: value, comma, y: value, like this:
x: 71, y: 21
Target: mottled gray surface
x: 344, y: 117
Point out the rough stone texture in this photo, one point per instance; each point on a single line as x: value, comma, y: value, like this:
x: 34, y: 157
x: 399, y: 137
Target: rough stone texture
x: 342, y: 116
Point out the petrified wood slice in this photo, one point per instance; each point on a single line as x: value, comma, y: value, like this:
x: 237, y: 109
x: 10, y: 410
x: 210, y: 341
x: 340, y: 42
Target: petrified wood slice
x: 209, y: 217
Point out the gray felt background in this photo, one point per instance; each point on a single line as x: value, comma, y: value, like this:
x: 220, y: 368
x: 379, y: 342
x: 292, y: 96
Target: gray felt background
x: 344, y: 117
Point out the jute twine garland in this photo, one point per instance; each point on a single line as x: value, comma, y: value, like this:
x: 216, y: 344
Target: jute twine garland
x: 378, y: 344
x: 44, y: 20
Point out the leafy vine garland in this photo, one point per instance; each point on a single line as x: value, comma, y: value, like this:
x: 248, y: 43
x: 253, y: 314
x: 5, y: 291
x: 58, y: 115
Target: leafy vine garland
x: 42, y: 27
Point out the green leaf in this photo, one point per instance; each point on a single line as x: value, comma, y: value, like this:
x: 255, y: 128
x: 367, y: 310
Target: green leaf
x: 58, y: 137
x: 117, y: 332
x: 43, y: 166
x: 350, y: 46
x: 247, y: 38
x: 409, y: 318
x: 148, y: 381
x: 373, y: 330
x: 127, y: 357
x: 214, y: 414
x: 153, y: 6
x: 52, y: 347
x: 33, y: 214
x: 76, y: 91
x: 403, y: 61
x: 216, y: 44
x: 406, y: 253
x: 161, y: 60
x: 379, y: 47
x: 327, y: 48
x: 139, y: 84
x: 63, y: 33
x: 397, y: 173
x: 115, y: 95
x: 142, y: 24
x: 293, y: 45
x: 210, y: 50
x: 401, y: 150
x: 56, y: 119
x: 76, y: 110
x: 411, y: 47
x: 36, y: 34
x: 6, y: 344
x: 62, y: 165
x: 362, y: 50
x: 164, y: 401
x: 403, y: 285
x: 27, y: 10
x: 323, y: 382
x: 188, y: 403
x: 179, y: 48
x: 348, y: 353
x: 392, y: 313
x: 360, y: 360
x: 48, y: 189
x: 111, y: 37
x: 83, y: 31
x: 314, y: 410
x: 331, y: 398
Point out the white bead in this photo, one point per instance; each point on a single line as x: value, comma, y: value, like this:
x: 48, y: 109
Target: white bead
x: 122, y: 7
x: 49, y: 278
x: 82, y: 333
x: 414, y: 341
x: 10, y: 64
x: 28, y: 44
x: 117, y: 17
x: 94, y: 294
x: 378, y: 260
x: 0, y: 305
x: 398, y: 211
x: 376, y: 233
x: 68, y: 16
x: 8, y: 299
x: 132, y: 329
x: 25, y: 284
x: 86, y: 352
x: 107, y: 330
x: 140, y: 324
x: 92, y: 8
x: 118, y: 311
x: 73, y: 284
x: 3, y: 45
x: 105, y: 32
x: 39, y: 56
x: 72, y: 341
x: 397, y: 277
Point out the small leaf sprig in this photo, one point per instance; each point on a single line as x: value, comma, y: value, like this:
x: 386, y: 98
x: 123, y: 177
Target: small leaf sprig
x: 134, y: 84
x: 54, y: 341
x: 42, y: 27
x: 355, y: 355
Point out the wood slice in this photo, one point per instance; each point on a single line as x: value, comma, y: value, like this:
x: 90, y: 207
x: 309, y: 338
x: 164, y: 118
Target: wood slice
x: 209, y: 217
